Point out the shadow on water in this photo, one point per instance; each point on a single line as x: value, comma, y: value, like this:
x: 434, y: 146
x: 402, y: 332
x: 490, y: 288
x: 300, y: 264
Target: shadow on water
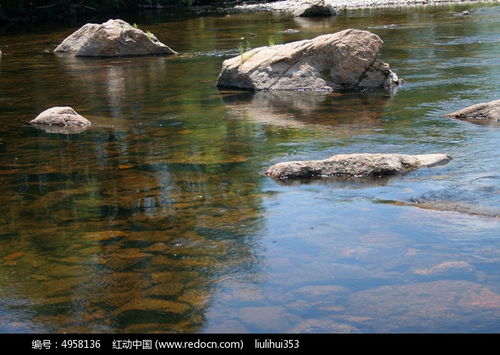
x: 338, y: 181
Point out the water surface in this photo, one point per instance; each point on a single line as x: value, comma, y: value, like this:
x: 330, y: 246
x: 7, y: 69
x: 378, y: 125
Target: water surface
x: 159, y: 218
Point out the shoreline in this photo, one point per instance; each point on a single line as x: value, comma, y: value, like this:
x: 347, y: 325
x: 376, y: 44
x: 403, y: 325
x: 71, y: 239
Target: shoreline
x: 222, y: 7
x: 290, y: 5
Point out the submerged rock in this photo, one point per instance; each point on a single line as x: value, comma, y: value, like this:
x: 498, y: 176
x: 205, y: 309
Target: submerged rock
x: 480, y: 113
x: 358, y: 165
x: 344, y: 60
x: 271, y: 318
x: 478, y: 196
x: 113, y: 38
x: 314, y: 8
x: 472, y: 209
x: 428, y: 306
x: 61, y: 120
x: 323, y: 325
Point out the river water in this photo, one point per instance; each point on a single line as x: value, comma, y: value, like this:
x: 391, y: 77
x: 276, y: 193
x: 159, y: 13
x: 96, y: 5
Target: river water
x: 159, y: 217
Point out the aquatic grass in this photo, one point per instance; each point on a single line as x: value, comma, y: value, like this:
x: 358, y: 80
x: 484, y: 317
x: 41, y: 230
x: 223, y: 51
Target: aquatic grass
x: 271, y: 41
x: 243, y: 47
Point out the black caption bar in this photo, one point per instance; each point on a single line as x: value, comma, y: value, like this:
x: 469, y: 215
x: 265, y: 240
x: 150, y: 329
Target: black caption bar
x: 237, y: 343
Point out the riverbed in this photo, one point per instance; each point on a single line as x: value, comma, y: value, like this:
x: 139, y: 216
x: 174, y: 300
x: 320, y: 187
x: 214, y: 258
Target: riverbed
x: 159, y: 218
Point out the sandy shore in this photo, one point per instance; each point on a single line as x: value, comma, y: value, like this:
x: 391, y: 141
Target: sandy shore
x: 290, y: 5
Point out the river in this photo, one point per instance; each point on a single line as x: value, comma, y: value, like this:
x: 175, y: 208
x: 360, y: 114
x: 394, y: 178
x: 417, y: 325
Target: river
x: 159, y: 217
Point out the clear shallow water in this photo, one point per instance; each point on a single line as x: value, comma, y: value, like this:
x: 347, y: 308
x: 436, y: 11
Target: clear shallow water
x: 159, y: 217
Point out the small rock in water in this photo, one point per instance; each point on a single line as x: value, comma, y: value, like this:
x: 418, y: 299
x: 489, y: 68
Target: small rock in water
x: 61, y: 120
x: 290, y: 31
x: 392, y: 25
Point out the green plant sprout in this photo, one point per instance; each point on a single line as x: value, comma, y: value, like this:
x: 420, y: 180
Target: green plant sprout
x: 271, y: 40
x: 243, y: 47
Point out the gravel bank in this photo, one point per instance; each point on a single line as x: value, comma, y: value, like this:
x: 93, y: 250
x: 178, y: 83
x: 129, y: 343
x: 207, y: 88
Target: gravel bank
x: 290, y: 5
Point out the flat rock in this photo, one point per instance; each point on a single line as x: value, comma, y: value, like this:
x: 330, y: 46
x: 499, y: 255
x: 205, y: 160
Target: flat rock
x: 345, y: 60
x: 483, y: 112
x: 357, y: 165
x: 314, y: 8
x: 113, y: 38
x: 61, y: 120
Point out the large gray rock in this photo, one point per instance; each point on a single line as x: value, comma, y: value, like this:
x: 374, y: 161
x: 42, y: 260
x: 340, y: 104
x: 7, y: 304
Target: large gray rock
x: 61, y: 120
x: 113, y: 38
x: 486, y: 111
x: 357, y: 165
x: 344, y: 60
x: 314, y: 8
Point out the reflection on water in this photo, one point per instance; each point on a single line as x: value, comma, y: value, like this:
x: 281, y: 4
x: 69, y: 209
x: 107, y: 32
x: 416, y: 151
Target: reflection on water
x: 119, y: 86
x: 348, y: 113
x: 158, y: 218
x: 104, y: 245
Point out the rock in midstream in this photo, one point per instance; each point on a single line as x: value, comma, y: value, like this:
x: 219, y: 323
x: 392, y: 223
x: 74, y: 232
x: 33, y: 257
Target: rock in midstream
x: 61, y: 119
x: 113, y: 38
x: 345, y: 60
x: 356, y: 165
x: 483, y: 112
